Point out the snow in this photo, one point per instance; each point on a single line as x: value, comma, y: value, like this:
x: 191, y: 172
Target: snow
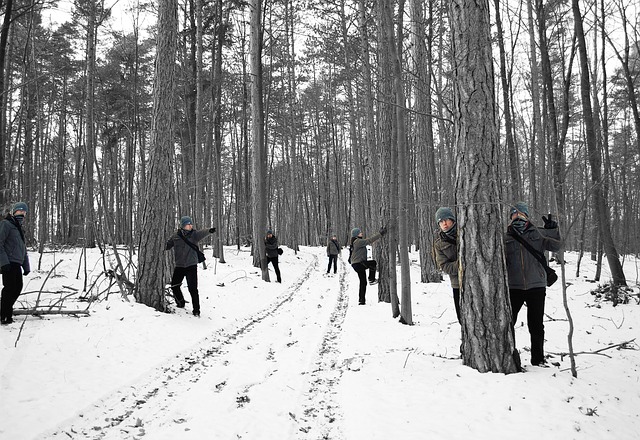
x: 302, y: 360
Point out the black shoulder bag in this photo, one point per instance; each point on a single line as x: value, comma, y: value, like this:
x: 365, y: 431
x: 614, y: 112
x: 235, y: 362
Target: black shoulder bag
x: 201, y: 256
x: 552, y: 277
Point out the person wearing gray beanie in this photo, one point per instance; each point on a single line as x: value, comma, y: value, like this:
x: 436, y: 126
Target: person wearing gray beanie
x: 14, y: 260
x: 526, y: 274
x: 187, y: 256
x: 333, y: 250
x: 445, y: 250
x: 359, y: 262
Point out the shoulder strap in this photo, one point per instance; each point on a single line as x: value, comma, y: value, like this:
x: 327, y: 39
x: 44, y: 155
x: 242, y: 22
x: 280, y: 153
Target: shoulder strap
x: 530, y: 248
x: 191, y: 245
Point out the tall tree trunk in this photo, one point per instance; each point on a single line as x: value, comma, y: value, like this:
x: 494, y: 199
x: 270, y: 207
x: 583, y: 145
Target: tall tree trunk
x: 602, y: 210
x: 90, y: 132
x: 216, y: 88
x: 354, y: 137
x: 551, y: 114
x: 259, y: 169
x: 386, y: 187
x: 537, y: 133
x: 513, y: 190
x: 395, y: 51
x: 487, y: 334
x: 370, y: 178
x: 4, y: 68
x: 426, y: 194
x: 159, y: 192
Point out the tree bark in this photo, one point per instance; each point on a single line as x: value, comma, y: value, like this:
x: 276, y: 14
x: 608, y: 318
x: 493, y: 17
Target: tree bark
x: 487, y: 334
x: 159, y: 194
x: 259, y: 169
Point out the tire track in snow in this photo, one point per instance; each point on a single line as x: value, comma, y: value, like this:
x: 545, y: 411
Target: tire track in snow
x: 321, y: 411
x: 106, y: 418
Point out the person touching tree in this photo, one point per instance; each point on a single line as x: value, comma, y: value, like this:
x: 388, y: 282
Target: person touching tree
x: 526, y: 273
x: 359, y: 262
x: 187, y: 256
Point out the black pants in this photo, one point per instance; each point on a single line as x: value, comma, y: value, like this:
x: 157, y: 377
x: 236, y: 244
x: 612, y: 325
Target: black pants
x: 12, y: 282
x: 333, y: 259
x: 361, y: 270
x: 456, y: 302
x: 534, y: 299
x: 191, y: 273
x: 274, y: 263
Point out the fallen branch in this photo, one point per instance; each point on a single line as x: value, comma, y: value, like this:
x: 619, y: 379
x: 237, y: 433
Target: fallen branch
x: 48, y: 311
x: 599, y: 352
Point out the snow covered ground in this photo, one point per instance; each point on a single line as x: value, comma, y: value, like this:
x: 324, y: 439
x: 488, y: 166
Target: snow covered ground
x: 302, y: 360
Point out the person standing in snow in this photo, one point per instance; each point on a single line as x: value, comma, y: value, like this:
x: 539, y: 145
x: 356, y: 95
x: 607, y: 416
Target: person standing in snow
x: 359, y: 262
x: 187, y: 256
x: 14, y: 260
x: 333, y: 250
x: 445, y: 249
x: 527, y: 276
x: 272, y: 251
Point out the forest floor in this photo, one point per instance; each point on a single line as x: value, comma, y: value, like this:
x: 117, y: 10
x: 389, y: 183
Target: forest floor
x: 302, y: 360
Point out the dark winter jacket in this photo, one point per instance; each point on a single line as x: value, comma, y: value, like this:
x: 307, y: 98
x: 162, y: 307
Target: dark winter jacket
x: 359, y: 248
x: 333, y: 248
x: 13, y: 248
x: 271, y: 246
x: 524, y: 271
x: 185, y: 255
x: 446, y: 255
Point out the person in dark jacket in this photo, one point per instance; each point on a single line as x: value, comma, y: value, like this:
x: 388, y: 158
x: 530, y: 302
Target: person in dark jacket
x: 333, y: 250
x: 445, y: 250
x: 185, y: 248
x: 359, y: 262
x: 14, y: 260
x: 272, y: 250
x: 527, y: 277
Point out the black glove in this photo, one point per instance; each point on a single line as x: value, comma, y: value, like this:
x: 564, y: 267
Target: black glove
x: 212, y: 230
x: 548, y: 223
x: 5, y: 268
x: 27, y: 272
x: 383, y: 231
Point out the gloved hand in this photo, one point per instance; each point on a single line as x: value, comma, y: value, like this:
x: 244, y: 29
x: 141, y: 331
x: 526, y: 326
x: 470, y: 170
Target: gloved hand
x: 383, y: 231
x: 549, y: 223
x: 5, y: 268
x: 212, y: 230
x: 26, y: 272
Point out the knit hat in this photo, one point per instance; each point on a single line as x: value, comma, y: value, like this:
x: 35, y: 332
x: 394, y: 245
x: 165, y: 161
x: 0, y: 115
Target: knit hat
x: 269, y: 231
x: 355, y: 232
x: 444, y: 213
x: 519, y: 207
x: 185, y: 220
x: 19, y: 206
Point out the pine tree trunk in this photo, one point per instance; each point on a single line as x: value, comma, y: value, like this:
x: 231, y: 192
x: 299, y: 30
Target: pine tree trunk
x: 4, y: 69
x: 259, y: 182
x: 89, y: 221
x: 153, y: 271
x: 487, y: 334
x: 426, y: 193
x: 395, y: 51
